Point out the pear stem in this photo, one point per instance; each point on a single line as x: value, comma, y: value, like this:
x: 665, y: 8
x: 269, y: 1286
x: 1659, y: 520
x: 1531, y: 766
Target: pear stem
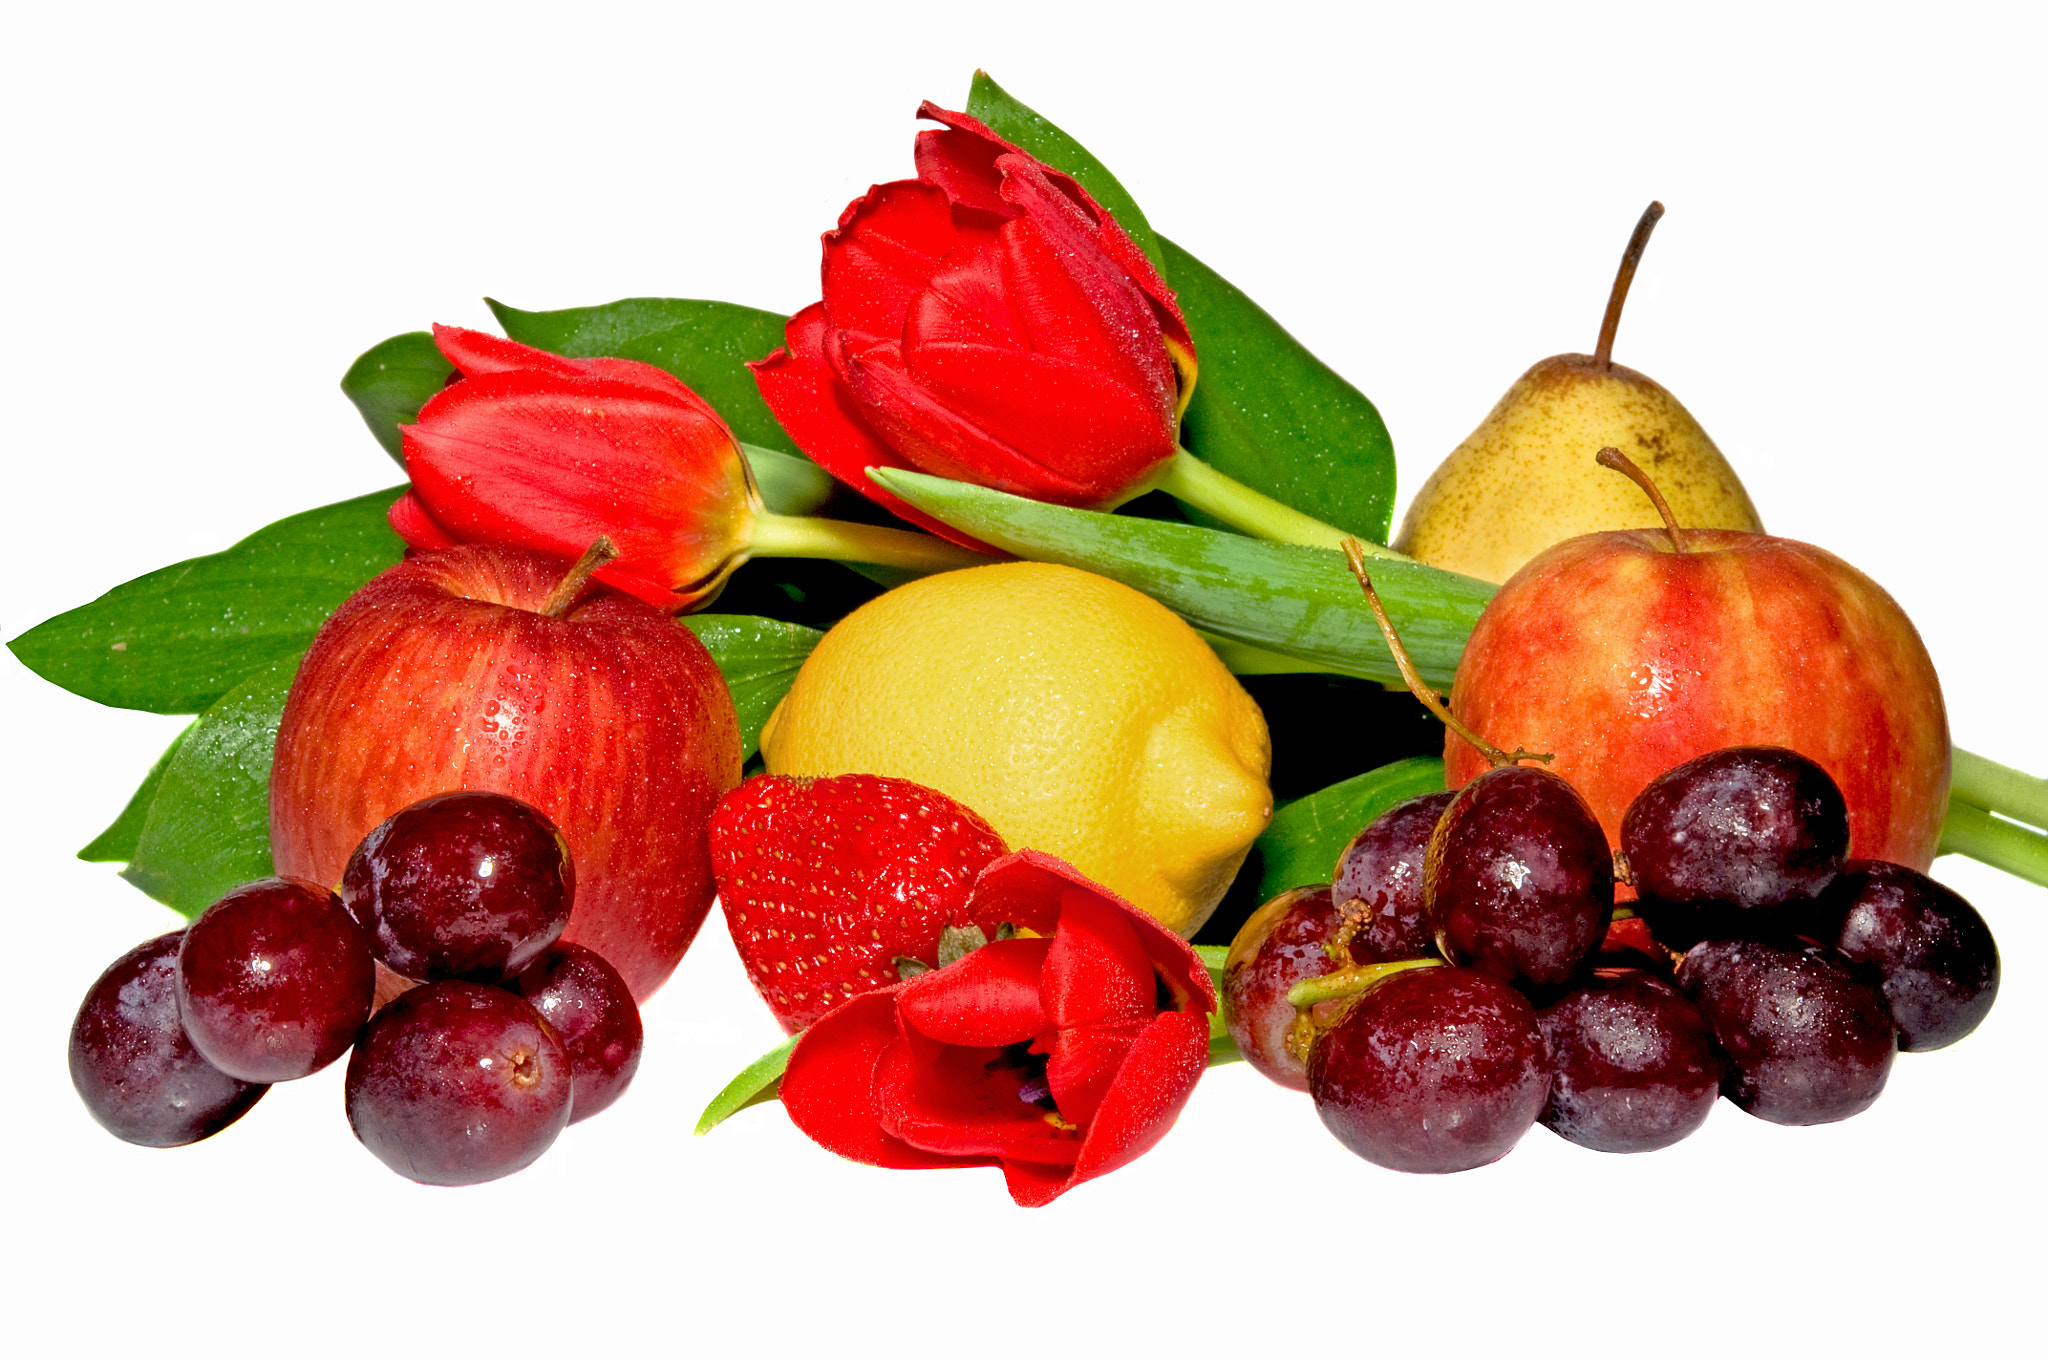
x: 1429, y: 698
x: 1187, y: 478
x: 843, y: 540
x: 1611, y: 457
x: 1623, y: 277
x: 563, y: 596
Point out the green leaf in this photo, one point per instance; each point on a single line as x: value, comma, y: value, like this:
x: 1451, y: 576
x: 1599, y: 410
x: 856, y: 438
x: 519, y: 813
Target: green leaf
x: 1016, y: 122
x: 1275, y: 417
x: 759, y: 659
x: 759, y: 1082
x: 1302, y: 602
x: 1301, y: 844
x: 178, y: 639
x: 116, y: 845
x: 705, y: 344
x: 392, y: 380
x: 208, y: 826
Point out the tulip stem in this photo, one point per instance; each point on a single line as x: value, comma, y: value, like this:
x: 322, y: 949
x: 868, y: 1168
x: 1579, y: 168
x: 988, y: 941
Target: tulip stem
x: 1187, y: 478
x: 844, y: 541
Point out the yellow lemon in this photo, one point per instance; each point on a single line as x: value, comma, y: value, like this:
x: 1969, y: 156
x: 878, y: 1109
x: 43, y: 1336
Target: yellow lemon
x: 1079, y: 716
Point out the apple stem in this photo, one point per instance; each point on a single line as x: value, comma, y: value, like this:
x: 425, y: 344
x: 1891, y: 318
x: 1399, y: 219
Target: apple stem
x: 1354, y: 553
x: 1623, y: 277
x: 1611, y: 457
x: 570, y: 586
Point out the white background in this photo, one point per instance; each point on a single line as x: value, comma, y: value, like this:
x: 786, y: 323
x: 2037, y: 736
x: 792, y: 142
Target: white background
x: 210, y: 212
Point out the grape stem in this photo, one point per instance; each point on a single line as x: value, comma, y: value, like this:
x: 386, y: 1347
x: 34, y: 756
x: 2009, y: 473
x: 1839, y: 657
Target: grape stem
x: 1354, y: 553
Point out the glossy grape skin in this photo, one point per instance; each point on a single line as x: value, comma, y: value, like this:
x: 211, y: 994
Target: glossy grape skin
x: 274, y: 980
x: 133, y: 1066
x: 587, y: 1004
x: 1730, y: 842
x: 1633, y: 1063
x: 467, y: 885
x: 1807, y: 1038
x: 1381, y: 872
x: 1519, y: 880
x: 1935, y: 954
x: 456, y: 1083
x: 1433, y: 1070
x: 1280, y: 944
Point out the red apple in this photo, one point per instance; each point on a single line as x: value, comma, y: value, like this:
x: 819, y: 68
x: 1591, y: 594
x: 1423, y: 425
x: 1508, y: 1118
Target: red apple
x: 1624, y: 656
x: 443, y: 674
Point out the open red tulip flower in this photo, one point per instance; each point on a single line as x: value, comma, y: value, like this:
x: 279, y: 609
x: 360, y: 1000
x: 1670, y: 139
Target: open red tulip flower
x: 987, y: 321
x: 551, y: 453
x: 1059, y: 1055
x: 990, y: 322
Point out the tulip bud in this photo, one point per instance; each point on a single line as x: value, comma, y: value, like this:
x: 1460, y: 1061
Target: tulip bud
x: 549, y: 453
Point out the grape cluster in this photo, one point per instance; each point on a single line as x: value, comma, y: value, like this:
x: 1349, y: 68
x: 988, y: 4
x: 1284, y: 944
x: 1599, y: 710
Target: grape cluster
x: 1467, y: 975
x: 498, y: 1034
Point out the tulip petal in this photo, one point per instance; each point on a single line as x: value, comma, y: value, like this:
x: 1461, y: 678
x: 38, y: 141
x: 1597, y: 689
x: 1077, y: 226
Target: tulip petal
x: 1097, y: 971
x: 884, y: 251
x: 966, y: 161
x: 805, y: 395
x: 550, y: 461
x: 478, y: 353
x: 829, y: 1088
x: 410, y: 521
x: 932, y: 435
x: 967, y: 1102
x: 1075, y: 300
x: 1082, y: 1062
x: 1158, y: 1076
x: 988, y: 999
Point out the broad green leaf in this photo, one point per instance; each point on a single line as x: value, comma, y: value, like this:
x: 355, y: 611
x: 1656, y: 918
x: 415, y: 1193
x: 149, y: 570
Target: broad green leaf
x: 392, y: 380
x: 208, y: 827
x: 116, y: 845
x: 1019, y: 124
x: 759, y: 659
x: 1275, y: 417
x: 1302, y: 602
x: 178, y: 639
x: 760, y: 1081
x: 1301, y: 844
x: 705, y: 344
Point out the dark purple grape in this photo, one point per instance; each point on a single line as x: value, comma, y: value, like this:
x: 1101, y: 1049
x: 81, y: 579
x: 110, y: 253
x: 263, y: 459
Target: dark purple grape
x: 1519, y: 881
x: 1379, y: 875
x: 275, y: 980
x: 456, y: 1083
x: 465, y: 885
x: 1434, y: 1069
x: 591, y: 1010
x: 1808, y: 1040
x: 1283, y: 942
x: 1632, y: 1063
x: 1935, y: 954
x: 132, y: 1064
x: 1723, y: 844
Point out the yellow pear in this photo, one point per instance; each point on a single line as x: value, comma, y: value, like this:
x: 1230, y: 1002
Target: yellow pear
x: 1526, y: 478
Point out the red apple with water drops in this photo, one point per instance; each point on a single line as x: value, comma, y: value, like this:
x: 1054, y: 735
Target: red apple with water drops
x: 479, y: 668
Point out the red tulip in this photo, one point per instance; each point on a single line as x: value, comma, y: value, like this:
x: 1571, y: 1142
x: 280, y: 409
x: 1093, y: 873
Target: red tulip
x: 1059, y: 1055
x: 987, y: 321
x: 548, y: 453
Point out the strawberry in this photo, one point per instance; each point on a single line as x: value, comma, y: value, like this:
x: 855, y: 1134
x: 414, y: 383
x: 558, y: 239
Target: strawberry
x: 834, y: 887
